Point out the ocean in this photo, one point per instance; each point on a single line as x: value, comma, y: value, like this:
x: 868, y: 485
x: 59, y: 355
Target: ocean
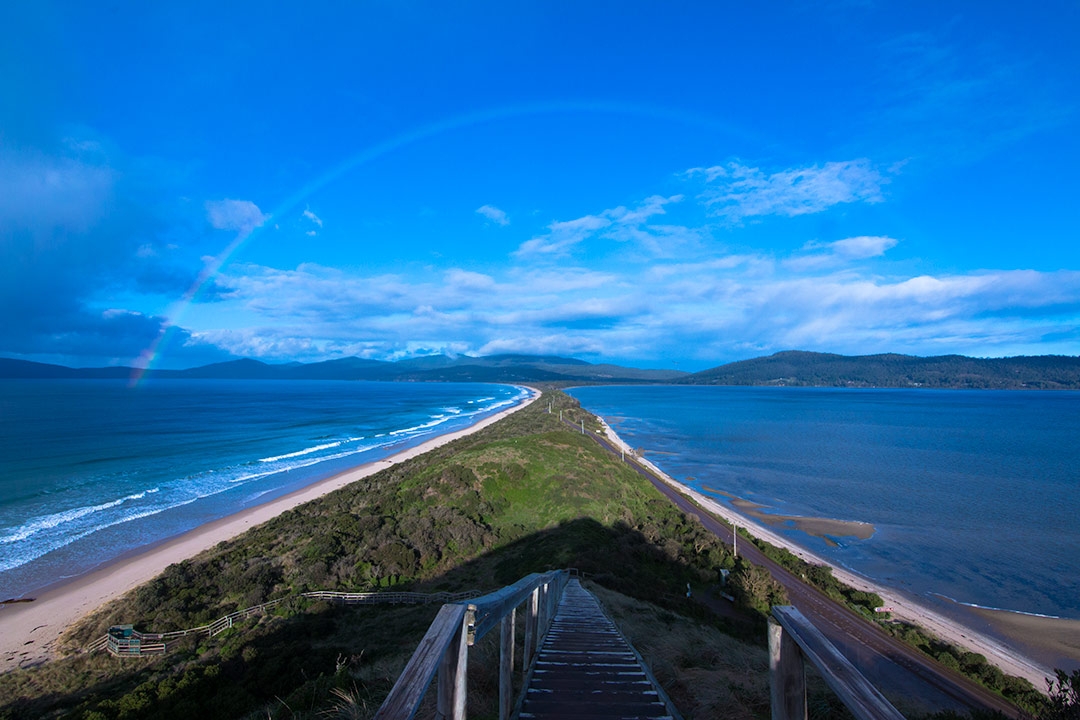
x: 974, y: 495
x: 91, y: 470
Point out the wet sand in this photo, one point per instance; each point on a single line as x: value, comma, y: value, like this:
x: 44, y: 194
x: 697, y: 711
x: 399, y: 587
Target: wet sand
x: 30, y: 631
x: 1053, y: 641
x: 828, y: 529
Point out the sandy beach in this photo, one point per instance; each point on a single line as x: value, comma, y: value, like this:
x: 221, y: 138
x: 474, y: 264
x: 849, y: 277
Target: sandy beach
x: 29, y: 631
x: 1009, y: 660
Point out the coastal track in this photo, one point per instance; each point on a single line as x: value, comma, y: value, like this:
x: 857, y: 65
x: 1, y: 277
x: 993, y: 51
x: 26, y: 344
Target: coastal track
x: 894, y: 667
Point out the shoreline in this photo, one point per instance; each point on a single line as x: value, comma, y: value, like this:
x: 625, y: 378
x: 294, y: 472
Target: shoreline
x: 904, y: 608
x: 30, y: 631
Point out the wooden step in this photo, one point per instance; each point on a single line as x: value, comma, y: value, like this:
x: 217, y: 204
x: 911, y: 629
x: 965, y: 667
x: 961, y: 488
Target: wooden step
x: 586, y: 669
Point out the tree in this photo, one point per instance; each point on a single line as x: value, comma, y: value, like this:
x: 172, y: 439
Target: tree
x: 1064, y: 692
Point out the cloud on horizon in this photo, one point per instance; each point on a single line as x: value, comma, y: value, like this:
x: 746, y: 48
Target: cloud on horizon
x: 724, y: 307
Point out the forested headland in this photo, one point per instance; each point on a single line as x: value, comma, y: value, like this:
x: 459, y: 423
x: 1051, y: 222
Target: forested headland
x: 809, y: 369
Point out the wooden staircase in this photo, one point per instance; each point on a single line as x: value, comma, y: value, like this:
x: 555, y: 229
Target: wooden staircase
x: 586, y: 669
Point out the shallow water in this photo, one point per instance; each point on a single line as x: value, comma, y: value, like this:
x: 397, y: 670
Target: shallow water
x: 975, y: 495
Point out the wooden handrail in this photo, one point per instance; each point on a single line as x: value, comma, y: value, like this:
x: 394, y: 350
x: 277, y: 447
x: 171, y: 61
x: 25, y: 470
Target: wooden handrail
x: 793, y: 638
x: 438, y: 642
x: 490, y: 609
x: 446, y: 645
x: 226, y: 621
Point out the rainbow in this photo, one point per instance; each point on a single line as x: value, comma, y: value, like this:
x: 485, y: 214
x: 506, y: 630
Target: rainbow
x: 174, y: 315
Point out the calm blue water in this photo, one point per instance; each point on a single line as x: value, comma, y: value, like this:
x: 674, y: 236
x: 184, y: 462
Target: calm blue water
x: 975, y: 494
x: 92, y: 469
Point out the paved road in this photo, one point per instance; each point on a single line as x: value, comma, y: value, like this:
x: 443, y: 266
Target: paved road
x: 896, y: 669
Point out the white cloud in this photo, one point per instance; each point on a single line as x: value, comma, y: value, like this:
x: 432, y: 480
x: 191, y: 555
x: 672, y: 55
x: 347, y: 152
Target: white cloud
x: 735, y: 191
x: 467, y: 280
x: 562, y: 236
x: 313, y: 217
x: 864, y: 246
x: 712, y: 309
x: 617, y: 223
x: 839, y: 252
x: 494, y: 214
x: 706, y: 303
x: 551, y: 344
x: 243, y: 216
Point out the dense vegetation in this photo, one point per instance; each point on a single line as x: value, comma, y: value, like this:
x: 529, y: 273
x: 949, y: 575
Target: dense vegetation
x: 899, y: 371
x: 524, y: 495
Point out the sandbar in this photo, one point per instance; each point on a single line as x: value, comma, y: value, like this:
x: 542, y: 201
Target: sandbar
x: 30, y: 631
x: 1052, y: 639
x: 828, y: 529
x: 1008, y: 659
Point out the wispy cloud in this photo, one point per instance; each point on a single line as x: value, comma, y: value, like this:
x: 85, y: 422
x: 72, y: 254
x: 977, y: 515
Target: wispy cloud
x: 242, y: 216
x: 838, y: 252
x: 735, y: 191
x: 619, y: 223
x: 562, y: 236
x: 313, y: 217
x: 494, y: 214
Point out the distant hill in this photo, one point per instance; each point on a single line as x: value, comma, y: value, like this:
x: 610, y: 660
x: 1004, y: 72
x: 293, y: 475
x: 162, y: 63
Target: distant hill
x: 434, y: 368
x: 796, y: 368
x: 792, y: 368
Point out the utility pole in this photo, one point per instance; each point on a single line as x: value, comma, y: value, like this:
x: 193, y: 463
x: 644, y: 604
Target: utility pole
x: 735, y: 535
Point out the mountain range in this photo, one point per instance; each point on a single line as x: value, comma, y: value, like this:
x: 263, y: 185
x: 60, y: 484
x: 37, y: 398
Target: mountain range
x: 790, y: 368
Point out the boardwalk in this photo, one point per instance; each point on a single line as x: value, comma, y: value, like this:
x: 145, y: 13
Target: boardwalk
x: 585, y: 669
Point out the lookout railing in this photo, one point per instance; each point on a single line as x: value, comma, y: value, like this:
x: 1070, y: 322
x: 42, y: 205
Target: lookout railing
x: 444, y: 649
x: 125, y: 641
x: 792, y: 640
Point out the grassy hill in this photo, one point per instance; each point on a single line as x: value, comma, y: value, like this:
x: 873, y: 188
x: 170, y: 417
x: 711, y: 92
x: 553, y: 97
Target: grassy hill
x: 526, y: 494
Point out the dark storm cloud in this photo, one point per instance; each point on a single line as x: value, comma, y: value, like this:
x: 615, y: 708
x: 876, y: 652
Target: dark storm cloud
x: 78, y: 234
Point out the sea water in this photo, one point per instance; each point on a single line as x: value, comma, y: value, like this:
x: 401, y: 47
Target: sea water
x: 93, y: 469
x: 974, y: 495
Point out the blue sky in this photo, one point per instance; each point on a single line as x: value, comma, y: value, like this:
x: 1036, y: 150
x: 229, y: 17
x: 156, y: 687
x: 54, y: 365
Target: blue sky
x: 657, y: 184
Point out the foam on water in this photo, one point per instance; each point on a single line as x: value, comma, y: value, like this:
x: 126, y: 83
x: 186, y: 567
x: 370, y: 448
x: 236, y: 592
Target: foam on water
x: 169, y: 456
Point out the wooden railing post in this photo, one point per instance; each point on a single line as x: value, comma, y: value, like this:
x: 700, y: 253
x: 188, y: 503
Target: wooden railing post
x: 532, y: 609
x: 545, y: 616
x: 506, y: 665
x: 452, y: 674
x: 787, y: 675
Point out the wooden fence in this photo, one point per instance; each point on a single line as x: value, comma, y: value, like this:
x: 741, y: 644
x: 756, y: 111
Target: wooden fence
x: 444, y: 649
x: 792, y: 640
x: 125, y: 641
